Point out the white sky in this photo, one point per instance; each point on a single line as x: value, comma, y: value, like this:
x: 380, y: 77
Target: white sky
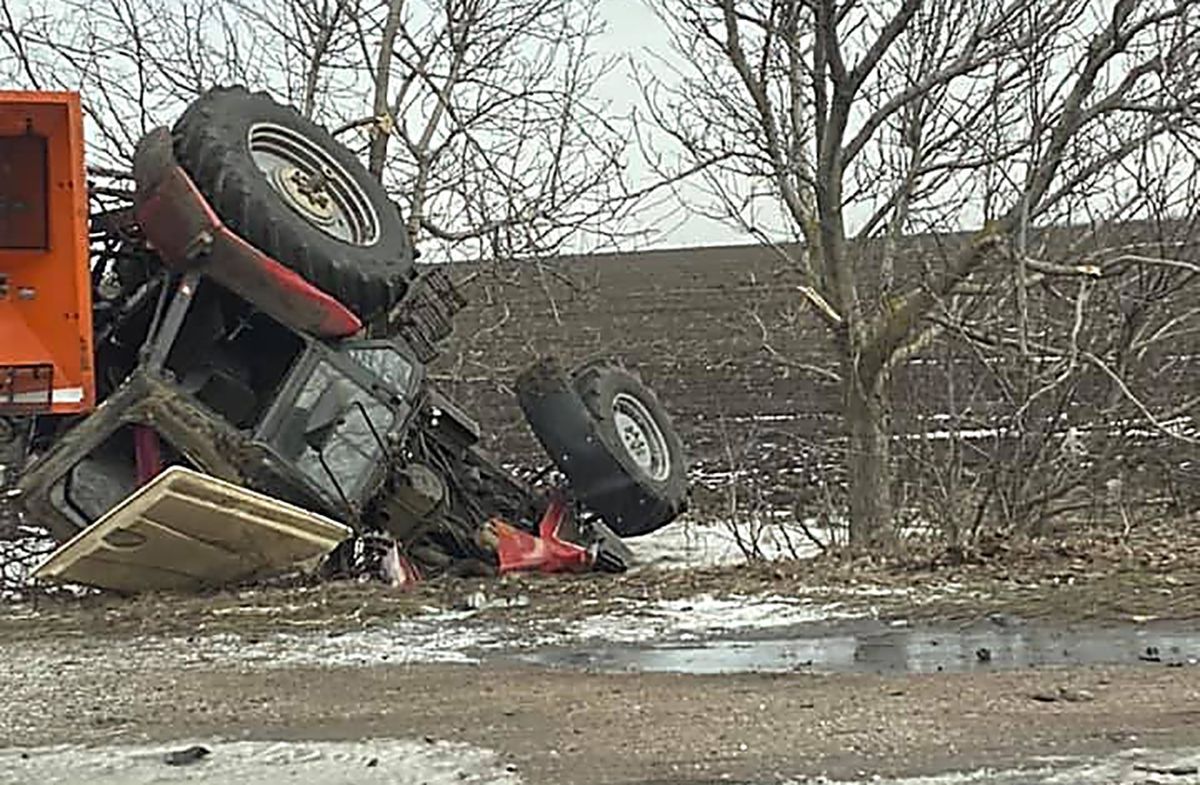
x: 633, y: 30
x: 632, y: 27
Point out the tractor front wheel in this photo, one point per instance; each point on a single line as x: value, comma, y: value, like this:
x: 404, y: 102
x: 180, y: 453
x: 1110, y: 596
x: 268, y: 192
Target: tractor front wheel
x: 607, y: 432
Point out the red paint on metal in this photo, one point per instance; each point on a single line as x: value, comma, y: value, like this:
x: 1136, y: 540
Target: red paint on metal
x: 187, y: 233
x: 520, y: 551
x: 147, y: 450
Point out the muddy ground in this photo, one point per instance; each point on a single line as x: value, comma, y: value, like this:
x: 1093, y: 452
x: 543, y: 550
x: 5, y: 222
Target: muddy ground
x: 1098, y: 577
x: 103, y: 670
x: 559, y: 726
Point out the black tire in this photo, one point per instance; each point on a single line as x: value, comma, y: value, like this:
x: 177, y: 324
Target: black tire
x: 212, y: 144
x: 574, y: 419
x: 13, y: 456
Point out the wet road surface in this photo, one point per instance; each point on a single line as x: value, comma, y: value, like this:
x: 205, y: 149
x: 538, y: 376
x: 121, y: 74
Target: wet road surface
x: 871, y: 647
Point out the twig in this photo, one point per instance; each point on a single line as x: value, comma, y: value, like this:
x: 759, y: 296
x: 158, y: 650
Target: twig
x: 816, y: 370
x: 1141, y: 407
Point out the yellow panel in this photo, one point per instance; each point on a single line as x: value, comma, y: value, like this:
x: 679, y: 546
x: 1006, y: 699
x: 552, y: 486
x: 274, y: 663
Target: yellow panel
x: 184, y: 531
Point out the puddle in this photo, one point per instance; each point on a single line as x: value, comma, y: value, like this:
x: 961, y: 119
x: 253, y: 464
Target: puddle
x: 878, y: 649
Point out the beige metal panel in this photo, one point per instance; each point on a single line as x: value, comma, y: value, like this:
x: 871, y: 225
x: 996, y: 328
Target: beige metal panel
x: 185, y: 530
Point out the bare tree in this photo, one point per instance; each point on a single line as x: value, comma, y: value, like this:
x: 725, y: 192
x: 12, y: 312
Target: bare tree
x: 479, y: 115
x: 480, y: 112
x: 864, y: 123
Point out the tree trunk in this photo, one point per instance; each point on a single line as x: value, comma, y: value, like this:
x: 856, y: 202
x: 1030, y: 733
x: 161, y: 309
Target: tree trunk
x: 868, y: 416
x: 382, y: 130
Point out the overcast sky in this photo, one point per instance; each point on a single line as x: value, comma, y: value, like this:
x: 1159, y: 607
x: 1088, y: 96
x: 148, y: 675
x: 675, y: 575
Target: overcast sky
x: 631, y: 28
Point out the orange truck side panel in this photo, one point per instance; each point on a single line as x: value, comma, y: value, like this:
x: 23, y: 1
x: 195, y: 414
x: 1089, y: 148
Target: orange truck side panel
x: 45, y: 278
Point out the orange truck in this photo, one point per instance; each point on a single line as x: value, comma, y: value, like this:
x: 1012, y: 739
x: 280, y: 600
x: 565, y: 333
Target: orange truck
x: 45, y: 287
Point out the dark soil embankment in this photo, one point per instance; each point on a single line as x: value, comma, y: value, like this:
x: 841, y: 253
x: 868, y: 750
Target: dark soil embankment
x: 723, y: 335
x: 685, y: 320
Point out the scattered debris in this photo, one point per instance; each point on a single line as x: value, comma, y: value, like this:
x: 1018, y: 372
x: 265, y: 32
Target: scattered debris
x: 1003, y: 620
x: 1065, y: 695
x: 520, y: 551
x: 479, y: 601
x: 398, y: 570
x: 1182, y: 770
x: 187, y: 755
x: 474, y: 601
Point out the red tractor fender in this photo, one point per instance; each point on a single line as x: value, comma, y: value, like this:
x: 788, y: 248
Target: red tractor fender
x: 186, y: 232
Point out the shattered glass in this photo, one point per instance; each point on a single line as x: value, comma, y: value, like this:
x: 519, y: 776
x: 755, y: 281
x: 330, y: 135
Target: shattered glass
x: 386, y: 363
x: 352, y: 449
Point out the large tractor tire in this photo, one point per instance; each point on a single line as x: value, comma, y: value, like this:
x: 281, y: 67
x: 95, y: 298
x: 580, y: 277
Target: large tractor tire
x: 284, y: 184
x: 607, y: 432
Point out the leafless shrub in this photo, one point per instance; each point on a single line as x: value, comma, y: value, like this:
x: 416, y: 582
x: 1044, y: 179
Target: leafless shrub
x: 768, y: 507
x: 1069, y: 404
x: 21, y: 549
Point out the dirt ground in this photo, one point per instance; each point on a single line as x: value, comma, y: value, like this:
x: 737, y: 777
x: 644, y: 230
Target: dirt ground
x: 566, y: 727
x: 86, y: 670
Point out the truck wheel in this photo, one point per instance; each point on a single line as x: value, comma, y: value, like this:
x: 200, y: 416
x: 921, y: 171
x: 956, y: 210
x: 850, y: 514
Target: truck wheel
x: 12, y: 460
x: 608, y: 433
x: 286, y: 186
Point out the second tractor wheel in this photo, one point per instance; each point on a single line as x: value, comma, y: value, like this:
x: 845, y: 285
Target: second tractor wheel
x: 611, y: 437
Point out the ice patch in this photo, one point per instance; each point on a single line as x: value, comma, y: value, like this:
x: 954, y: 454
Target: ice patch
x: 457, y: 638
x: 697, y: 617
x: 372, y: 762
x: 451, y: 637
x: 1132, y: 767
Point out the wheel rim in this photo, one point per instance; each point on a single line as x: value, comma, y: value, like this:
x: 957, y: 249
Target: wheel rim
x: 313, y: 184
x: 641, y: 436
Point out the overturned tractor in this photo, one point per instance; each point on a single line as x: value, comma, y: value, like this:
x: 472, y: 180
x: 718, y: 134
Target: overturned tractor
x: 252, y: 316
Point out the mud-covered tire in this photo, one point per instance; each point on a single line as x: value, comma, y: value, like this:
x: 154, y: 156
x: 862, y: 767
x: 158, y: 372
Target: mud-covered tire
x: 12, y: 460
x: 577, y: 419
x: 212, y: 141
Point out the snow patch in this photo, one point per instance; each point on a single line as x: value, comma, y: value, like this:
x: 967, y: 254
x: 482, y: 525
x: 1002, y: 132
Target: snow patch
x: 1131, y: 767
x: 685, y: 545
x: 432, y: 638
x: 689, y: 544
x: 376, y: 761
